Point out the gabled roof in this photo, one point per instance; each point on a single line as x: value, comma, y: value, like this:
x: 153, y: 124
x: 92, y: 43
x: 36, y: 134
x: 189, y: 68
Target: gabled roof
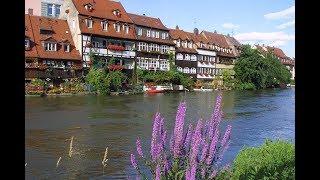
x: 142, y: 20
x: 102, y: 9
x: 61, y: 32
x: 234, y: 41
x: 215, y: 38
x: 189, y: 36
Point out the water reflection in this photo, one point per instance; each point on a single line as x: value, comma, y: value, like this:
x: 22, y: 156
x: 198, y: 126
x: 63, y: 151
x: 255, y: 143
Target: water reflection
x: 98, y: 122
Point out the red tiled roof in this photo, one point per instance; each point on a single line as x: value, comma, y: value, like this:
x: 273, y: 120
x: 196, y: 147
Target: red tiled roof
x: 111, y: 32
x: 142, y: 20
x: 215, y: 38
x: 59, y: 28
x: 32, y: 52
x: 277, y: 51
x: 156, y: 40
x: 102, y: 9
x: 186, y: 50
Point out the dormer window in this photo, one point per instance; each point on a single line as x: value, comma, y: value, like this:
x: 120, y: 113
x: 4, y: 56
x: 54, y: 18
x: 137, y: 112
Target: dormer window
x: 148, y: 33
x: 178, y: 43
x: 50, y: 46
x: 185, y: 44
x: 190, y: 45
x: 140, y: 32
x: 163, y: 35
x: 126, y: 29
x: 104, y: 25
x: 89, y: 23
x: 153, y: 34
x: 27, y: 43
x: 117, y: 27
x: 66, y: 47
x: 157, y: 34
x: 116, y: 12
x: 88, y: 7
x: 201, y: 45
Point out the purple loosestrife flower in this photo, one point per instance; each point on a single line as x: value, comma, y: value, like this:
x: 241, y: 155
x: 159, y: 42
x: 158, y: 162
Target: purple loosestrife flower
x: 188, y: 174
x: 226, y: 136
x: 139, y: 149
x: 204, y: 151
x: 203, y: 172
x: 193, y: 172
x: 212, y: 148
x: 188, y: 137
x: 133, y: 161
x: 178, y: 129
x: 171, y: 144
x: 196, y: 140
x: 213, y: 174
x: 158, y: 172
x: 154, y: 136
x: 215, y: 118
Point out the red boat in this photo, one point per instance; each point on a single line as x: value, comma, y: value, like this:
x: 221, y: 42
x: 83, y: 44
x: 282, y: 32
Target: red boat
x: 154, y: 90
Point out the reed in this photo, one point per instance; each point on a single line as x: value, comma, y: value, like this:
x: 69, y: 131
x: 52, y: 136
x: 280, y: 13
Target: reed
x: 58, y: 162
x: 71, y: 147
x: 104, y: 160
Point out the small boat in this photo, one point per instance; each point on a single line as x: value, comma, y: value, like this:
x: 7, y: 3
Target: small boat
x: 154, y: 89
x: 203, y: 90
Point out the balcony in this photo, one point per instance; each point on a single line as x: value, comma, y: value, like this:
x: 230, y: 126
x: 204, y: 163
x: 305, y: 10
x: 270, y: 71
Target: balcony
x: 205, y: 76
x: 206, y: 64
x: 224, y: 66
x: 110, y: 52
x: 31, y: 65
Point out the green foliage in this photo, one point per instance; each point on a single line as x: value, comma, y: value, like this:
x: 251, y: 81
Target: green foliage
x: 116, y: 79
x: 272, y: 160
x: 38, y: 82
x: 98, y: 79
x: 97, y: 62
x: 245, y: 86
x: 227, y: 78
x: 261, y: 70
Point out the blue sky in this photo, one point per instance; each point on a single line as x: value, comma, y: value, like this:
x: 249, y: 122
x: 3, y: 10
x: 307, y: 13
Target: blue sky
x: 269, y: 22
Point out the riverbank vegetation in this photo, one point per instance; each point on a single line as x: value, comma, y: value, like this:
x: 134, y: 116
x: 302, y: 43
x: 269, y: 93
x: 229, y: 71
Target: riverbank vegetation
x: 254, y: 70
x: 272, y: 160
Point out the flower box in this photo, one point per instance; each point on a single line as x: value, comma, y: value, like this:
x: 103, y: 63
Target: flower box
x: 116, y: 48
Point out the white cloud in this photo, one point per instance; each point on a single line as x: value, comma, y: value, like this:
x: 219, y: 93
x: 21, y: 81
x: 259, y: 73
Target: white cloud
x: 230, y: 26
x: 286, y: 25
x: 278, y: 43
x: 285, y: 14
x: 260, y: 36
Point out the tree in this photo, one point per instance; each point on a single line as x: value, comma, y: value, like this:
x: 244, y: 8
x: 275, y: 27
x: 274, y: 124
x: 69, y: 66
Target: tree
x: 259, y: 70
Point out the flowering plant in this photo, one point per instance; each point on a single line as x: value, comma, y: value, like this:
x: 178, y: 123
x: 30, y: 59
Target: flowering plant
x: 116, y: 47
x: 192, y: 154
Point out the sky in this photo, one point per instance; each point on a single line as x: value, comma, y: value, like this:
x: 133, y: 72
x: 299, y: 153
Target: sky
x: 269, y: 22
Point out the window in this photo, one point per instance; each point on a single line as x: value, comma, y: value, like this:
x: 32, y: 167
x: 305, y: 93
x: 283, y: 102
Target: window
x: 151, y: 47
x: 116, y: 12
x: 163, y: 65
x: 66, y: 47
x: 156, y: 47
x: 184, y: 44
x: 117, y: 27
x: 157, y: 34
x: 179, y: 69
x: 163, y: 35
x: 142, y: 46
x: 95, y: 44
x: 164, y: 49
x: 57, y: 10
x: 26, y: 43
x: 179, y: 56
x: 126, y: 29
x: 190, y: 45
x: 186, y: 70
x: 193, y: 58
x: 153, y: 33
x: 89, y: 23
x: 50, y: 46
x: 178, y: 43
x: 50, y: 9
x: 140, y: 32
x: 153, y: 64
x: 193, y: 71
x: 104, y: 25
x: 187, y: 57
x: 148, y: 33
x: 104, y: 43
x: 201, y: 45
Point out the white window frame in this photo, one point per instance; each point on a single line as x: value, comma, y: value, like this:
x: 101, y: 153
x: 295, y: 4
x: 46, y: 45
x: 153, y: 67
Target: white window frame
x: 148, y: 33
x: 163, y: 65
x: 52, y: 7
x: 89, y: 23
x: 178, y: 43
x: 49, y: 46
x: 73, y: 24
x: 179, y: 56
x: 190, y: 45
x: 186, y: 70
x: 163, y: 35
x: 104, y: 25
x: 187, y: 57
x: 179, y: 69
x: 125, y: 29
x: 157, y: 34
x: 193, y: 57
x: 193, y: 70
x: 140, y: 32
x: 153, y: 34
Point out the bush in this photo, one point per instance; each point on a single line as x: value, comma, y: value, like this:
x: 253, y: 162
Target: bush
x: 192, y: 153
x: 273, y: 160
x: 98, y: 80
x: 245, y: 86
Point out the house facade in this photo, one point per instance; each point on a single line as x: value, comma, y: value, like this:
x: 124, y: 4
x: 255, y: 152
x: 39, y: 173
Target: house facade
x: 51, y: 8
x: 50, y: 53
x: 153, y: 43
x: 101, y: 28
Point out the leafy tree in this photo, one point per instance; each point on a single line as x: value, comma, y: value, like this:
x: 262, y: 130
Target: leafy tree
x: 98, y: 80
x: 262, y: 71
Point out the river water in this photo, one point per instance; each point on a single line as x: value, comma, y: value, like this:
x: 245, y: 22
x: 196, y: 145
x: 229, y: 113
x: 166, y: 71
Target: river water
x: 97, y: 122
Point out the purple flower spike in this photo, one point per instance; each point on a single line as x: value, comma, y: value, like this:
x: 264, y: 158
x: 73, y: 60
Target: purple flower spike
x: 213, y: 174
x: 178, y: 129
x: 139, y: 149
x: 212, y: 148
x: 158, y: 172
x: 133, y: 161
x: 226, y: 136
x: 204, y: 151
x: 155, y: 131
x: 196, y: 139
x: 188, y: 137
x: 193, y: 172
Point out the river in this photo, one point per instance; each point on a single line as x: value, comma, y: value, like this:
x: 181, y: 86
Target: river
x: 97, y: 122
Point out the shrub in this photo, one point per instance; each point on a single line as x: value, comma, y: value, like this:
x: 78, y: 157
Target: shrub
x: 98, y: 80
x: 273, y: 160
x: 192, y: 154
x: 245, y: 86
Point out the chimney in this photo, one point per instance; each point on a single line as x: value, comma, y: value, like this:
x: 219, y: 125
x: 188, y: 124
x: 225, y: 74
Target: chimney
x: 215, y: 31
x: 196, y: 31
x: 30, y: 11
x: 143, y: 14
x: 228, y: 35
x: 177, y: 27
